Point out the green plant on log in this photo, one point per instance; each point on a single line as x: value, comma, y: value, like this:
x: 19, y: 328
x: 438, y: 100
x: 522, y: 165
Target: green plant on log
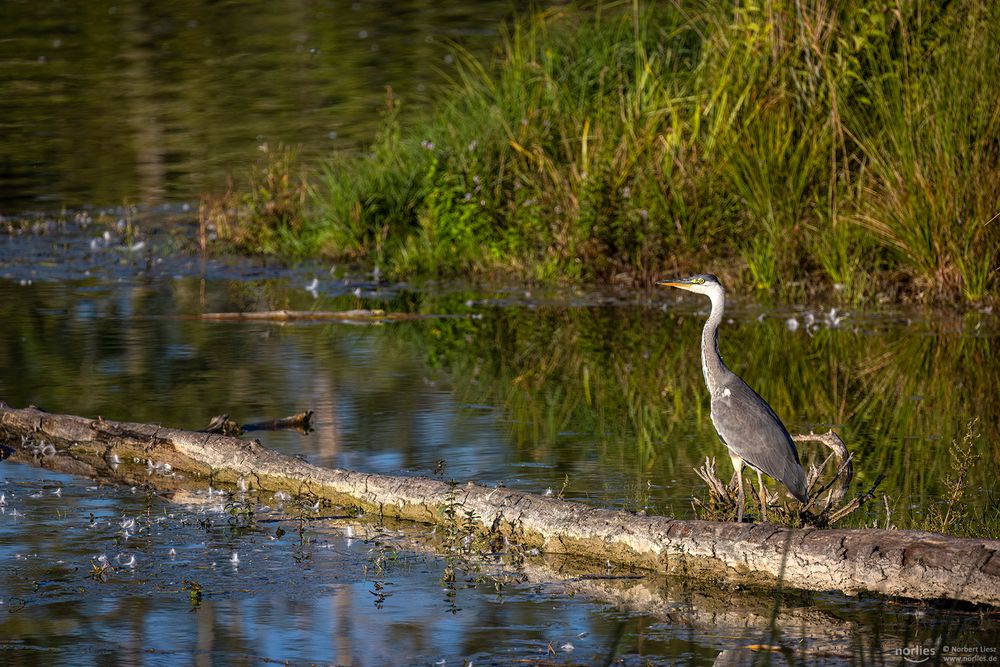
x: 963, y: 454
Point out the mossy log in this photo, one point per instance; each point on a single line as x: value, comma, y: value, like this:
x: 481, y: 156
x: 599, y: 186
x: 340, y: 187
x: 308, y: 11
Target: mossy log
x: 907, y: 564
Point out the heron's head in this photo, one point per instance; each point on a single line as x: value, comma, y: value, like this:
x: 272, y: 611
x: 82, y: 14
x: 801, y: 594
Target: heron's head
x: 703, y: 283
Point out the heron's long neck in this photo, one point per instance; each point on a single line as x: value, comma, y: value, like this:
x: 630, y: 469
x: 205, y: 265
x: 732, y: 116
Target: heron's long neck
x: 711, y: 360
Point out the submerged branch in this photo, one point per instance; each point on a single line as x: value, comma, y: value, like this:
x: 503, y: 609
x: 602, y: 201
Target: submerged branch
x: 357, y: 315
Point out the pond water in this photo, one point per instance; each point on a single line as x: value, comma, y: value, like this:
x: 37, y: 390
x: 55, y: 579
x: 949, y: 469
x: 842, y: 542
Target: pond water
x: 597, y: 396
x: 594, y: 396
x: 107, y: 101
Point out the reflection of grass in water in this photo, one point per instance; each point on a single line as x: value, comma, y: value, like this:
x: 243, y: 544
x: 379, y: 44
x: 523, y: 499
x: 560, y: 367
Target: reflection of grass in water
x: 624, y: 383
x: 640, y: 395
x: 921, y: 391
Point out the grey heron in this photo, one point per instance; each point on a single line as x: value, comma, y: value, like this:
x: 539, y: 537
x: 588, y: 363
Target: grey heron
x: 747, y: 425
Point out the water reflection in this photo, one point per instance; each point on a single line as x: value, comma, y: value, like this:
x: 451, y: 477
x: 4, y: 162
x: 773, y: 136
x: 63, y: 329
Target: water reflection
x: 583, y: 396
x: 581, y: 401
x: 380, y: 596
x: 108, y: 101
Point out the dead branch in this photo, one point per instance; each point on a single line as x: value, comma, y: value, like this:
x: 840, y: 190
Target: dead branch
x: 846, y: 472
x: 856, y: 503
x: 357, y: 315
x: 222, y: 424
x: 819, y: 510
x: 300, y: 422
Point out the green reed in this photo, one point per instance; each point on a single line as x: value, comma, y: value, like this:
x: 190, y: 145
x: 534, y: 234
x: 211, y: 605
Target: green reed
x: 848, y: 145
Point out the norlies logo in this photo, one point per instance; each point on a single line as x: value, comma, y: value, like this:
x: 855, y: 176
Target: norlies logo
x: 915, y: 653
x: 949, y: 654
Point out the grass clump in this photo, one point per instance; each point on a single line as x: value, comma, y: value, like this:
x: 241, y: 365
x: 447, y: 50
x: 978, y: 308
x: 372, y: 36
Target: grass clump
x: 265, y: 214
x: 929, y: 162
x: 851, y: 145
x: 531, y: 164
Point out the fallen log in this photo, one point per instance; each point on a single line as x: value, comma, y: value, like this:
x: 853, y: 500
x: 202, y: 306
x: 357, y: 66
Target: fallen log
x: 908, y: 564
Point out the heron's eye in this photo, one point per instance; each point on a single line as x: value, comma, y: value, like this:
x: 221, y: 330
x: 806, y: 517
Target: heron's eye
x: 700, y: 281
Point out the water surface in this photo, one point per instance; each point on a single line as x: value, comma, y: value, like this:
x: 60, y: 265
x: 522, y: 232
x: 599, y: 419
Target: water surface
x: 109, y: 101
x: 597, y: 397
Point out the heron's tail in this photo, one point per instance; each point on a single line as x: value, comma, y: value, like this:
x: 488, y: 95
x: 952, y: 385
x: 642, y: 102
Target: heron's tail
x: 796, y: 483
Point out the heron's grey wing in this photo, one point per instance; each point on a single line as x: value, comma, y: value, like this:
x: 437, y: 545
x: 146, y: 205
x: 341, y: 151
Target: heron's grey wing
x: 749, y: 427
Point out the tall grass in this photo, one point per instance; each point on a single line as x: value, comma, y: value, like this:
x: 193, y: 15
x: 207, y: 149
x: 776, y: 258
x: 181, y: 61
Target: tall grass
x: 784, y: 143
x: 928, y: 147
x: 267, y: 212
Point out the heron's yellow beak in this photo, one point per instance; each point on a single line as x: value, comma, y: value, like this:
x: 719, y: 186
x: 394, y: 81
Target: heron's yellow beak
x: 683, y: 283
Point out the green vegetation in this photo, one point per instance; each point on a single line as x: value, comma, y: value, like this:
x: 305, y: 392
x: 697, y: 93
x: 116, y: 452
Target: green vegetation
x: 850, y: 145
x: 267, y: 212
x: 964, y: 457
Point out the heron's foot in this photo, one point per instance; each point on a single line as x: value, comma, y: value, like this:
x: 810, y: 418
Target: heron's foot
x: 762, y: 497
x: 734, y: 484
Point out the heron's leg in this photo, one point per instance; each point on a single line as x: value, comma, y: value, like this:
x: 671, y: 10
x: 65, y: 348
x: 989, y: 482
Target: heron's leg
x: 738, y: 464
x: 763, y: 497
x: 739, y: 498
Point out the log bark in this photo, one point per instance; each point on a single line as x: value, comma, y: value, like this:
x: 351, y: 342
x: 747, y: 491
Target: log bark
x: 908, y: 564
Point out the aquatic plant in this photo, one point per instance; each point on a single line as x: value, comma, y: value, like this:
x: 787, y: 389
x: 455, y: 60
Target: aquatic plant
x: 240, y: 511
x: 265, y: 213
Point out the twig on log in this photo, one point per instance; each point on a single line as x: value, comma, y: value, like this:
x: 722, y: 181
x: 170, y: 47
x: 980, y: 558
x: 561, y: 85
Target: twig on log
x: 721, y: 499
x: 834, y: 497
x: 856, y: 503
x: 222, y: 424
